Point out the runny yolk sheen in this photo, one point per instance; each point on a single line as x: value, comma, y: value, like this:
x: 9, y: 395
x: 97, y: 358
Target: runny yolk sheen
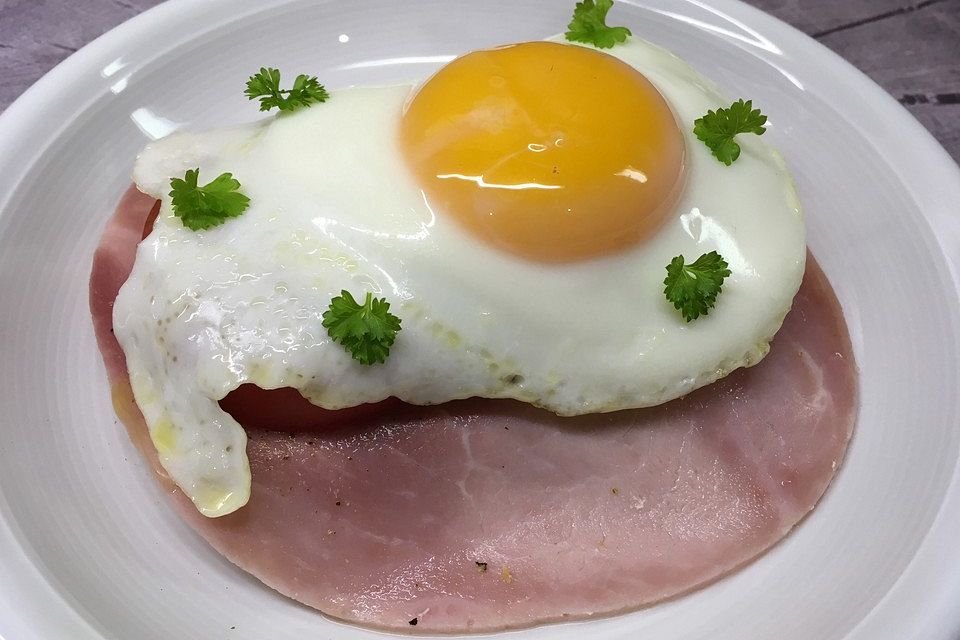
x: 552, y: 152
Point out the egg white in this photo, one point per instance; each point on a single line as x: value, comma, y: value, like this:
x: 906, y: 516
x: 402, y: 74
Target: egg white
x: 333, y: 206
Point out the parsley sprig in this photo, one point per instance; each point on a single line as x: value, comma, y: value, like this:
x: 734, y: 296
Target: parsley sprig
x: 207, y: 206
x: 366, y: 331
x: 718, y: 129
x: 589, y: 25
x: 265, y: 85
x: 693, y: 288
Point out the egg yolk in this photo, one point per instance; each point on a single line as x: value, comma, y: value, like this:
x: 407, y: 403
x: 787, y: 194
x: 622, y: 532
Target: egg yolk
x: 552, y: 152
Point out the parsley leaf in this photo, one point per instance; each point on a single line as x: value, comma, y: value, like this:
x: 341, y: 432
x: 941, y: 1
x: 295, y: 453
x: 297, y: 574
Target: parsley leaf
x: 209, y: 205
x: 589, y: 25
x: 718, y: 128
x: 693, y: 288
x: 265, y: 85
x: 367, y: 331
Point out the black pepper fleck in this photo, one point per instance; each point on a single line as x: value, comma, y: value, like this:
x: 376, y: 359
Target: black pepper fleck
x: 481, y: 567
x: 413, y: 622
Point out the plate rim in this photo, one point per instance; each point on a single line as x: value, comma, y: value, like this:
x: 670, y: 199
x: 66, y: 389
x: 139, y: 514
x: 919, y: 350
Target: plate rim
x: 927, y: 172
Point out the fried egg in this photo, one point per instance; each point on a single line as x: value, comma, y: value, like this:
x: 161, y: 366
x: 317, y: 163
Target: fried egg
x: 518, y: 210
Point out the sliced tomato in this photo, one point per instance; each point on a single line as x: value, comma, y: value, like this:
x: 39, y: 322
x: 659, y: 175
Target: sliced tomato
x: 286, y: 410
x: 151, y: 218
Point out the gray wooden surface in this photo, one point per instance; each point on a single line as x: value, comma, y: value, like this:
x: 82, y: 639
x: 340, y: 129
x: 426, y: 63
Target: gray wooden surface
x: 910, y: 47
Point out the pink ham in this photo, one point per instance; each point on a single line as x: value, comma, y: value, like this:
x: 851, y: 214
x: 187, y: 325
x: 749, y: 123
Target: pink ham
x: 484, y: 515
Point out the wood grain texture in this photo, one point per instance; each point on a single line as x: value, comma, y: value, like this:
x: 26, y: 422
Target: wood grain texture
x: 910, y: 47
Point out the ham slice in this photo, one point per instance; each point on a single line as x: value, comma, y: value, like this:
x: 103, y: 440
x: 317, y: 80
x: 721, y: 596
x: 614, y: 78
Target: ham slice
x: 483, y: 515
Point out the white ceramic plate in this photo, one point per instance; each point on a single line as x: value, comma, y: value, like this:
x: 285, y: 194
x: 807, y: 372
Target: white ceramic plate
x: 88, y: 546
